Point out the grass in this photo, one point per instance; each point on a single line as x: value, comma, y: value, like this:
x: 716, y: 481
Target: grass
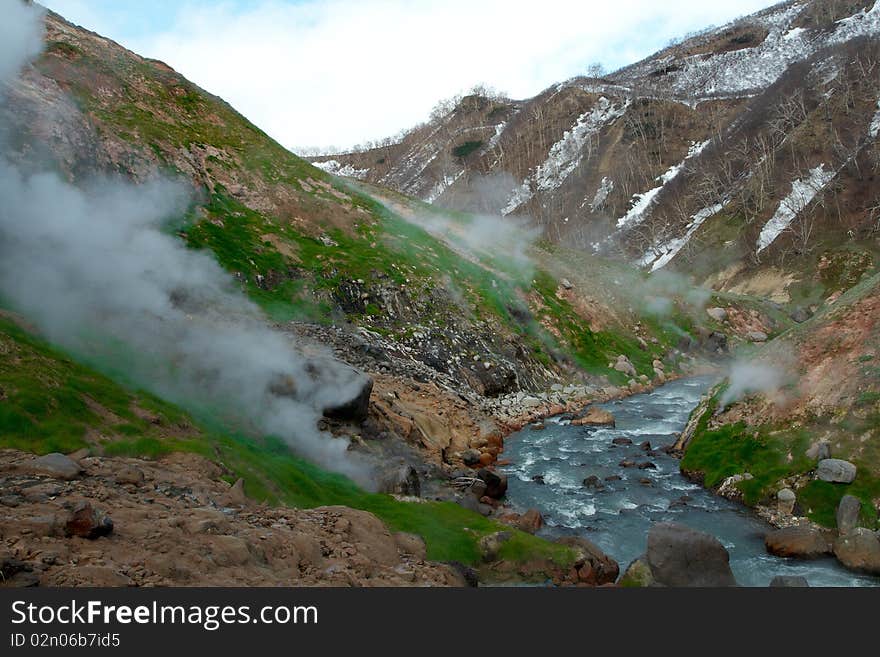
x: 772, y: 454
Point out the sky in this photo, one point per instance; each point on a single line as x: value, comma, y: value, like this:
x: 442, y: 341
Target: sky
x: 320, y: 73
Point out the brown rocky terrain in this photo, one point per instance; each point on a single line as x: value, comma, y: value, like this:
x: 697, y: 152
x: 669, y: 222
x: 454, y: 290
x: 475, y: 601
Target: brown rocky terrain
x: 175, y: 522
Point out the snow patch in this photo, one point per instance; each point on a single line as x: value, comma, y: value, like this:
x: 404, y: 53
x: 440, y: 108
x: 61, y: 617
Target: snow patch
x: 566, y: 155
x: 803, y: 191
x: 642, y: 202
x: 874, y: 129
x: 336, y: 168
x: 605, y: 188
x: 659, y: 256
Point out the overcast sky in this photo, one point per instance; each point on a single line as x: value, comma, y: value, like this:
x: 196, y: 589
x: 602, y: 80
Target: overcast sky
x: 340, y: 72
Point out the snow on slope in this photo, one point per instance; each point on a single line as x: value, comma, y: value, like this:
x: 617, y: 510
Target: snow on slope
x: 659, y: 256
x: 338, y: 169
x: 742, y: 71
x: 803, y: 191
x: 642, y: 203
x: 566, y: 155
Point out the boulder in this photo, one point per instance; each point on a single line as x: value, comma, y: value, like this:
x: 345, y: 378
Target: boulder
x: 471, y: 457
x: 490, y: 545
x: 54, y: 465
x: 756, y: 336
x: 789, y: 581
x: 593, y: 482
x: 800, y: 542
x: 836, y: 471
x: 412, y: 545
x: 496, y: 484
x: 681, y: 556
x: 130, y: 475
x: 716, y: 342
x: 593, y: 566
x: 87, y: 522
x: 801, y: 314
x: 848, y: 514
x: 638, y: 575
x: 356, y: 406
x: 403, y: 480
x: 785, y: 501
x: 718, y: 314
x: 621, y: 441
x: 530, y: 522
x: 594, y: 417
x: 624, y: 365
x: 819, y: 451
x: 859, y: 550
x: 236, y: 495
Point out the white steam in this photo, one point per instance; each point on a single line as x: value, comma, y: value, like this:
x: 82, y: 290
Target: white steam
x: 749, y: 378
x: 95, y: 269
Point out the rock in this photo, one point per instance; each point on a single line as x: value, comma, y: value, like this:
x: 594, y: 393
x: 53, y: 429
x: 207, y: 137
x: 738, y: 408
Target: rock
x: 644, y: 481
x: 356, y: 407
x: 638, y: 575
x: 836, y: 471
x: 788, y: 581
x: 718, y: 314
x: 657, y: 364
x: 593, y: 482
x: 236, y: 495
x: 859, y: 550
x: 471, y: 457
x: 54, y: 465
x: 716, y: 342
x: 87, y: 522
x: 496, y: 484
x: 537, y: 426
x: 412, y: 545
x: 621, y: 441
x: 785, y: 500
x: 538, y: 479
x: 490, y: 545
x: 229, y: 551
x: 130, y: 475
x: 800, y: 542
x: 645, y: 446
x: 681, y: 556
x: 403, y: 480
x: 594, y: 417
x: 624, y: 365
x: 594, y: 566
x: 848, y: 514
x: 819, y: 451
x: 627, y: 463
x: 531, y: 521
x: 613, y: 478
x: 564, y: 282
x: 647, y: 465
x: 756, y: 336
x: 801, y: 314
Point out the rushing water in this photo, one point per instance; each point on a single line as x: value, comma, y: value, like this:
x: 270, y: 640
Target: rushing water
x: 618, y: 518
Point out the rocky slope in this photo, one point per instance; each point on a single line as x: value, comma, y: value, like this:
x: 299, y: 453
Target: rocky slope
x: 801, y: 443
x: 745, y: 155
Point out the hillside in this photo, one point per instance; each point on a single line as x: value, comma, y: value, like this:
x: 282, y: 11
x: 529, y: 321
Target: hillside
x: 744, y: 156
x: 830, y: 398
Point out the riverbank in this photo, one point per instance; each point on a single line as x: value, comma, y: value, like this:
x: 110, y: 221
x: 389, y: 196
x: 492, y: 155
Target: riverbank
x: 611, y: 486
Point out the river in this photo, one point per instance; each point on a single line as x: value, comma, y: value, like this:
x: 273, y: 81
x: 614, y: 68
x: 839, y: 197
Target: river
x: 618, y: 518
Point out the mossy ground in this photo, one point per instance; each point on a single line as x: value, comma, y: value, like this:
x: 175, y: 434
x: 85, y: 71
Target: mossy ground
x: 771, y: 454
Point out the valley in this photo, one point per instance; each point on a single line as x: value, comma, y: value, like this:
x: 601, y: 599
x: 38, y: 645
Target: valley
x: 286, y: 371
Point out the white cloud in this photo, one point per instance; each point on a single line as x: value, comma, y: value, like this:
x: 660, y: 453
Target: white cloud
x: 338, y: 72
